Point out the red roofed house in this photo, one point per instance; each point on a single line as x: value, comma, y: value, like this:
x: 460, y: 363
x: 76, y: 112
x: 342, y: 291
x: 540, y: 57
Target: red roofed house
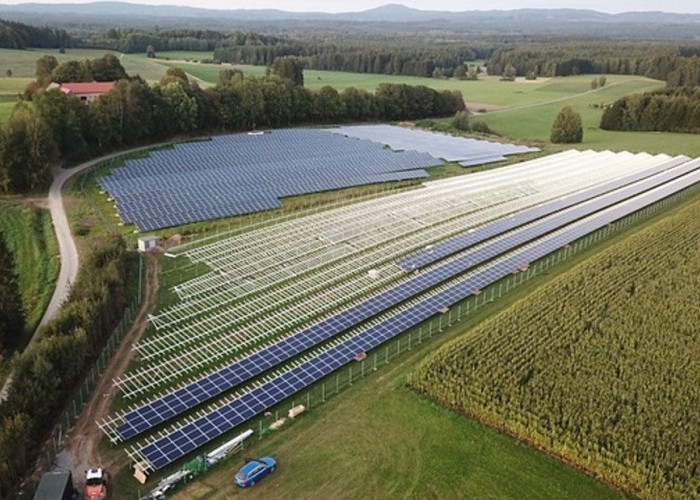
x: 87, y: 91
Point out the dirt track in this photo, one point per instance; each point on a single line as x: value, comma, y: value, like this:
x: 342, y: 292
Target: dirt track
x: 84, y: 440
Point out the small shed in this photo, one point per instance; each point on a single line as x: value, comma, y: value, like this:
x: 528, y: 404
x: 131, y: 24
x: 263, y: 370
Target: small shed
x: 148, y: 243
x: 55, y: 485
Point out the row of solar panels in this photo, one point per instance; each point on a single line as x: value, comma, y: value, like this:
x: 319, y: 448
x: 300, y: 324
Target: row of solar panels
x: 598, y: 213
x: 467, y: 151
x: 146, y: 417
x: 242, y: 173
x: 531, y: 223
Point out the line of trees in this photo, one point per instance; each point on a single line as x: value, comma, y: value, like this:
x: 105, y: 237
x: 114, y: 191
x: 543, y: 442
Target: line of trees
x: 388, y: 56
x: 46, y: 373
x: 15, y: 35
x: 60, y: 126
x: 11, y: 309
x: 669, y: 110
x: 654, y: 60
x: 133, y: 41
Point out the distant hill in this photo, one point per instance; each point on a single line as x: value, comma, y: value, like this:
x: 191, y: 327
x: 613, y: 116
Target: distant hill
x: 521, y: 21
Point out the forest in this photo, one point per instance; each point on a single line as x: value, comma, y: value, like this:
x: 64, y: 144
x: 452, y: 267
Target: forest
x: 58, y: 126
x: 669, y: 110
x: 15, y: 35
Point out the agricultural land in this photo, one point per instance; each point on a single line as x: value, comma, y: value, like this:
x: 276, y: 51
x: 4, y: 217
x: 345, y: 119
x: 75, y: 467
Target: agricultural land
x: 599, y: 367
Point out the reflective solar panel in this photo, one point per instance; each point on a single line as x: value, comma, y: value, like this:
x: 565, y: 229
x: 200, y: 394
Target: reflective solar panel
x: 176, y: 444
x: 151, y: 414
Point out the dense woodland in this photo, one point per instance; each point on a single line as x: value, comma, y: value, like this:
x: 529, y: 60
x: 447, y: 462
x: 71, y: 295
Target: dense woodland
x: 21, y: 36
x: 660, y: 61
x: 44, y: 375
x: 670, y: 110
x: 392, y: 53
x: 57, y: 125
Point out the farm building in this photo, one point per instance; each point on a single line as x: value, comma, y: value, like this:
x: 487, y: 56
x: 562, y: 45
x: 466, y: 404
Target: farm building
x: 87, y: 91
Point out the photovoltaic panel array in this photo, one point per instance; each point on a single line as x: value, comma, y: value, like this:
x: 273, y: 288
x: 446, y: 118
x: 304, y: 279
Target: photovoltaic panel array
x: 437, y: 252
x: 467, y: 151
x: 550, y: 217
x: 241, y: 174
x: 175, y: 444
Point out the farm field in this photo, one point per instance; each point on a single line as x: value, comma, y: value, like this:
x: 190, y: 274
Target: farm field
x: 29, y: 236
x: 599, y: 366
x: 534, y: 122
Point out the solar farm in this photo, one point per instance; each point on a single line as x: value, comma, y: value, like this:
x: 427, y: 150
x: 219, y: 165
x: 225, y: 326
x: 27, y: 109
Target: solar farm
x: 247, y: 173
x: 285, y: 305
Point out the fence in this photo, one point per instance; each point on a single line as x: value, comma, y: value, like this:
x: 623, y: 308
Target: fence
x: 335, y: 383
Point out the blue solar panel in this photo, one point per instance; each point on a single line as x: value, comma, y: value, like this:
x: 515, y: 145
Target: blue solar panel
x: 228, y: 377
x: 437, y: 252
x: 180, y: 442
x: 241, y: 174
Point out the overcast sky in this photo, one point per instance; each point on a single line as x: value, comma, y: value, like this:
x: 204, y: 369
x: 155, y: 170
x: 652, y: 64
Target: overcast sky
x: 687, y: 6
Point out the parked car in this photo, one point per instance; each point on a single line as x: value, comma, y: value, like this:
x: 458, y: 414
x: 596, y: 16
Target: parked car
x: 254, y: 470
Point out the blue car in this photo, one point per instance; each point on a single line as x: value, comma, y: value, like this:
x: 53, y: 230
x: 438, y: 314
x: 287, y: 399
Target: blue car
x: 254, y: 471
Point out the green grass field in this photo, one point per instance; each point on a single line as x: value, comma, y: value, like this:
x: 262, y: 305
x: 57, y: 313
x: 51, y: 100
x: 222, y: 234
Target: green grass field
x: 29, y: 236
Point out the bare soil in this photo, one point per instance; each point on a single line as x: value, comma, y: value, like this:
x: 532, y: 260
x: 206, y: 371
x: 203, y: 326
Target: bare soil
x: 83, y: 443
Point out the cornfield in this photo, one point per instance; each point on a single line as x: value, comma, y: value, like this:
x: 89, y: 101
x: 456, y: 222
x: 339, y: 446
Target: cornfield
x: 601, y: 367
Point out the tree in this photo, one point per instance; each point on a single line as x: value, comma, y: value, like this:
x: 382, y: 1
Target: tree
x: 44, y: 69
x: 460, y: 72
x: 594, y: 84
x: 27, y: 149
x: 290, y: 68
x: 8, y: 73
x: 602, y: 81
x: 509, y: 73
x: 11, y: 310
x: 150, y: 52
x: 229, y: 75
x: 567, y: 127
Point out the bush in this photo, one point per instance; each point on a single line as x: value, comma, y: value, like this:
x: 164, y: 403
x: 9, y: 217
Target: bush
x: 482, y: 127
x: 461, y: 121
x: 567, y: 127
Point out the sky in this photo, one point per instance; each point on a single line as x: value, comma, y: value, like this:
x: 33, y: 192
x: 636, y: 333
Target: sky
x: 612, y: 6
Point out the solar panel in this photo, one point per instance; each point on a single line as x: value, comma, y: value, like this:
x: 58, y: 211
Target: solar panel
x: 177, y: 443
x: 145, y: 417
x: 437, y: 252
x: 242, y: 174
x: 467, y: 151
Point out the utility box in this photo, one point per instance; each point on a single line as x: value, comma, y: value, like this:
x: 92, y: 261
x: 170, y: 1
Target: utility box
x: 148, y: 243
x: 56, y: 485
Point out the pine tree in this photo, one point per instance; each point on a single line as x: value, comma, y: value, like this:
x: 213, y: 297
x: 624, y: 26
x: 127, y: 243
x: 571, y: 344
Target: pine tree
x: 567, y: 127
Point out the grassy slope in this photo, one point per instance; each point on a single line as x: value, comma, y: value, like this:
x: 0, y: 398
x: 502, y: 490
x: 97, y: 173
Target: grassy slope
x: 30, y: 237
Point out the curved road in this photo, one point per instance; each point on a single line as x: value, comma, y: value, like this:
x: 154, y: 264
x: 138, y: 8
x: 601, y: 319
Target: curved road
x: 66, y: 244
